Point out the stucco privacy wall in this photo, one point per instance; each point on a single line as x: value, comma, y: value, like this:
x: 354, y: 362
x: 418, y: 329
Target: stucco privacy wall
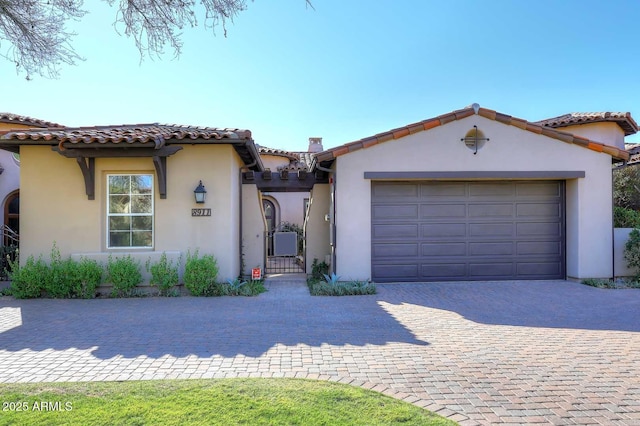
x: 55, y: 206
x: 253, y: 227
x: 588, y: 207
x: 316, y: 228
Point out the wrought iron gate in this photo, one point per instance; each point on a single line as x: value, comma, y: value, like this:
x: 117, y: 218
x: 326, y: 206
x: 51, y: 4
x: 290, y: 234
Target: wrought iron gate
x: 283, y: 253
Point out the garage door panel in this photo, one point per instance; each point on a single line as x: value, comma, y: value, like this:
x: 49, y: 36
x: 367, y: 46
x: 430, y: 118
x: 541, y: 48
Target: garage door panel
x: 490, y: 210
x: 493, y: 190
x: 491, y: 249
x: 538, y: 189
x: 491, y: 230
x: 480, y: 230
x: 392, y: 250
x: 540, y: 269
x: 395, y: 231
x: 528, y: 248
x: 444, y: 249
x: 443, y: 210
x: 538, y: 210
x: 540, y: 229
x: 453, y: 190
x: 439, y: 230
x: 394, y: 212
x: 396, y: 190
x: 400, y: 272
x: 444, y: 270
x: 492, y: 270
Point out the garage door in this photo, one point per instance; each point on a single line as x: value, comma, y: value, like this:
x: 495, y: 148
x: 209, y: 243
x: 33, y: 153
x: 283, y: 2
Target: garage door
x: 437, y: 231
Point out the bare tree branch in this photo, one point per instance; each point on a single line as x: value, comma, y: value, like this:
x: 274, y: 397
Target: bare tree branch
x: 35, y: 31
x: 38, y: 42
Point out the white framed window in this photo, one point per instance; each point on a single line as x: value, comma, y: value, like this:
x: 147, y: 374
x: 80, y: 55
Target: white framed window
x: 129, y: 210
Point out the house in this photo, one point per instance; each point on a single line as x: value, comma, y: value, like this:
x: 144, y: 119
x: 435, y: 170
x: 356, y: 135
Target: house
x: 473, y: 195
x: 10, y: 176
x: 469, y: 195
x: 129, y: 189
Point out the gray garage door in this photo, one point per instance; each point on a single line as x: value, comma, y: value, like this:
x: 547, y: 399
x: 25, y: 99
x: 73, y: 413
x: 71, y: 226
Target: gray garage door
x: 437, y: 231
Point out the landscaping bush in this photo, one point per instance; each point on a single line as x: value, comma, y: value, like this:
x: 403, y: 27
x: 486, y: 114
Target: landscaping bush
x: 318, y: 270
x: 124, y: 274
x: 624, y: 217
x: 238, y: 287
x: 61, y: 276
x: 200, y: 275
x: 88, y: 278
x: 7, y: 255
x: 626, y: 187
x: 164, y: 275
x: 632, y: 251
x: 340, y: 288
x: 28, y: 281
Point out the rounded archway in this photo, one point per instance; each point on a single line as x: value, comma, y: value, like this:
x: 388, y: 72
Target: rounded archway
x: 11, y: 228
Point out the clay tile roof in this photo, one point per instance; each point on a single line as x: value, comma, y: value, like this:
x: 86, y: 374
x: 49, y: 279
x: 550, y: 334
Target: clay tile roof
x: 634, y: 151
x: 622, y: 119
x: 142, y: 133
x: 277, y: 152
x: 325, y: 158
x: 7, y: 117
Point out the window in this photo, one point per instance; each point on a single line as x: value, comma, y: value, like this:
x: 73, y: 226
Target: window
x: 130, y: 211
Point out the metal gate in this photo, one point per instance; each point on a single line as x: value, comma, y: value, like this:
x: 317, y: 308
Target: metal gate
x: 283, y: 254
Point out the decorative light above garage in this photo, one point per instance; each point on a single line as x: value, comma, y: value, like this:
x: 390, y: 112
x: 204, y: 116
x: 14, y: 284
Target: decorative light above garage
x: 474, y: 139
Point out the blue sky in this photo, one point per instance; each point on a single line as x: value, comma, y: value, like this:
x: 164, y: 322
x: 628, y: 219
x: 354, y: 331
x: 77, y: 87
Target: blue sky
x: 349, y: 69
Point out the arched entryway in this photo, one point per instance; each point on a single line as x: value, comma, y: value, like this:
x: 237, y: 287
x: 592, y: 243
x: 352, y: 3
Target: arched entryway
x: 270, y: 216
x: 11, y: 219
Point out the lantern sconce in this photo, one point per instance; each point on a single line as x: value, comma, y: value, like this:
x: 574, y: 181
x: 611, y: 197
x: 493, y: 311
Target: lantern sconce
x: 200, y: 193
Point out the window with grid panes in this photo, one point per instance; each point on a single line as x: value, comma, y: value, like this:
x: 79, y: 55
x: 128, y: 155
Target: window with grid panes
x: 130, y: 211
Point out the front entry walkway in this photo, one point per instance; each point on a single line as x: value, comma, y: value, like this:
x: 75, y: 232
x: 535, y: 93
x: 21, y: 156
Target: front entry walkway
x: 551, y: 352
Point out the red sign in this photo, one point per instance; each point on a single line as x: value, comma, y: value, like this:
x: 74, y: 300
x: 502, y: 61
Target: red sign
x: 256, y: 273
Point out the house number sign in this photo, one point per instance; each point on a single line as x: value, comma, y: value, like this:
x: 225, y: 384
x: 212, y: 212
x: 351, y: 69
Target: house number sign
x: 200, y: 212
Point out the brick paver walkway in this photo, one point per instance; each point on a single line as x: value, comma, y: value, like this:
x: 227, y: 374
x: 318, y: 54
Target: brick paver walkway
x: 550, y: 352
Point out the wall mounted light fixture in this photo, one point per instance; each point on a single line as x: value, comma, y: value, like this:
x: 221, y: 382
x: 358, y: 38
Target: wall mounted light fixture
x: 200, y: 193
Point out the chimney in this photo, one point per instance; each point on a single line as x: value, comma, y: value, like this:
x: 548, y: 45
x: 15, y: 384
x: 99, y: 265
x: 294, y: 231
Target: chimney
x: 315, y: 145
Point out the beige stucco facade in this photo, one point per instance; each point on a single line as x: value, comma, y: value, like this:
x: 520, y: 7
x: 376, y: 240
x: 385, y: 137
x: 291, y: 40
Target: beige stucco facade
x: 317, y: 228
x: 510, y: 149
x: 55, y: 206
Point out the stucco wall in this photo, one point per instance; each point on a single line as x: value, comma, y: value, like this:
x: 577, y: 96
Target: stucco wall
x: 54, y: 206
x: 316, y: 228
x: 253, y: 228
x: 589, y: 216
x: 272, y: 162
x: 608, y: 133
x: 289, y: 206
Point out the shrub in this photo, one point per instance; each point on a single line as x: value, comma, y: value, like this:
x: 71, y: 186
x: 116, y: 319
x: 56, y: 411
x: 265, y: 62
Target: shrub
x: 625, y: 218
x: 200, y: 275
x: 124, y: 274
x: 626, y: 190
x: 88, y: 278
x: 632, y: 251
x: 340, y: 288
x: 28, y: 281
x: 318, y: 270
x: 61, y: 276
x: 164, y: 275
x: 7, y: 255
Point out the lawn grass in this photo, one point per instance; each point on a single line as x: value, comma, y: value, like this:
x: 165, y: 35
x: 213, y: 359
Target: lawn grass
x: 206, y: 402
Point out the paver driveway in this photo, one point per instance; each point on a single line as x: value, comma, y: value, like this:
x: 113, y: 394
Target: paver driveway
x: 481, y: 353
